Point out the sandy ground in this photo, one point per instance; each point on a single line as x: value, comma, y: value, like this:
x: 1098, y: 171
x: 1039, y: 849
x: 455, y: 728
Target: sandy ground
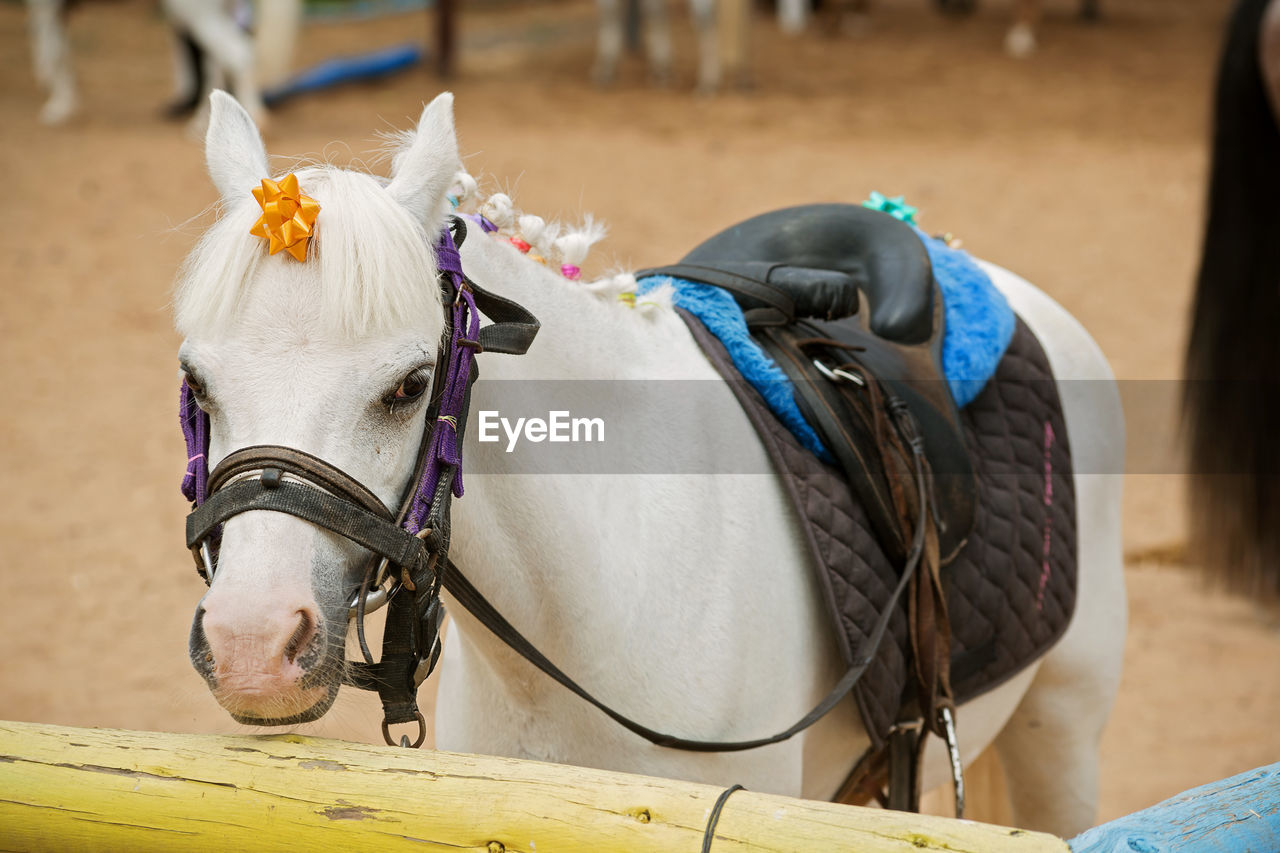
x: 1082, y: 170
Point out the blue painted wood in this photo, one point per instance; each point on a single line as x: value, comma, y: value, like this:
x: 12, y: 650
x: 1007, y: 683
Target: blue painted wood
x: 1236, y: 815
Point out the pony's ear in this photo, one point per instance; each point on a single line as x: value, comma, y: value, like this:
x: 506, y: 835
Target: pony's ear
x: 425, y: 168
x: 233, y: 149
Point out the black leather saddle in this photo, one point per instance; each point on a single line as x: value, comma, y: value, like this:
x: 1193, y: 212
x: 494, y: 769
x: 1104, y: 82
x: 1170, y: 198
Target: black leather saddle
x: 844, y: 300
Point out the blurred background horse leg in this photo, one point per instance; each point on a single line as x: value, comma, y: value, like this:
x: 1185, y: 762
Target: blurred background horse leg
x: 189, y: 82
x: 734, y: 41
x: 722, y: 31
x: 275, y: 34
x: 1020, y: 41
x: 617, y: 23
x: 705, y: 24
x: 216, y: 50
x: 793, y: 16
x: 227, y: 49
x: 52, y: 59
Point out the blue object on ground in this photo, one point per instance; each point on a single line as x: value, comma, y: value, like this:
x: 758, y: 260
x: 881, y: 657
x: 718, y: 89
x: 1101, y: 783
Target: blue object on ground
x: 347, y: 69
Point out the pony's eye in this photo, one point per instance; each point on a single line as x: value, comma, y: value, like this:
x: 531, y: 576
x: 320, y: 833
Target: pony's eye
x: 413, y: 387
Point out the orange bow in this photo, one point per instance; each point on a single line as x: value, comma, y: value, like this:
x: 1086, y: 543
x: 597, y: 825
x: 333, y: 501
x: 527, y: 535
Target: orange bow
x: 288, y: 216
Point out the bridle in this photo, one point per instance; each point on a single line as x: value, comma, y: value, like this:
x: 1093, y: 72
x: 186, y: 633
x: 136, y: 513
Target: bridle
x: 408, y: 547
x: 410, y: 563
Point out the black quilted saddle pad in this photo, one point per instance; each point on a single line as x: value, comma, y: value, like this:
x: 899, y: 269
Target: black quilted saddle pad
x: 1011, y: 589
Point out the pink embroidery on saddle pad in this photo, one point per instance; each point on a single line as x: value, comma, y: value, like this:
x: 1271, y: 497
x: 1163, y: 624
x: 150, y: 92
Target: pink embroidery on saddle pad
x: 1048, y: 514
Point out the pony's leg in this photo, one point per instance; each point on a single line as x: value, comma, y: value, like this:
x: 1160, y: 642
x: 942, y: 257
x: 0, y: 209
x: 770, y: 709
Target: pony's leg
x: 734, y: 37
x: 52, y: 55
x: 704, y: 23
x: 856, y: 20
x: 793, y: 16
x: 609, y: 39
x: 188, y: 75
x: 657, y: 39
x: 1020, y: 42
x: 223, y: 42
x: 1049, y: 748
x: 275, y: 35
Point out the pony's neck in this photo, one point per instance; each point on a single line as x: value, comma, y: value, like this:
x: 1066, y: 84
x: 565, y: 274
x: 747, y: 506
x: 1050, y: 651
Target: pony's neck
x: 670, y: 570
x: 584, y: 335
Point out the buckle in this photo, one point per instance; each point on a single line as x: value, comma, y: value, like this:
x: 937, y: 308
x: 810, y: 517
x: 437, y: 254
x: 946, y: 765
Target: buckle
x: 838, y: 375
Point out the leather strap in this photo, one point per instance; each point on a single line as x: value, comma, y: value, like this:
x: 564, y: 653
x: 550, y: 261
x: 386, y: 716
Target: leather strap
x: 753, y: 285
x: 513, y: 328
x: 480, y: 607
x: 849, y: 440
x: 906, y: 751
x: 312, y: 468
x: 377, y: 533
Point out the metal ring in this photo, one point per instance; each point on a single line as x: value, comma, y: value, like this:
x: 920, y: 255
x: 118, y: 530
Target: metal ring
x: 207, y: 559
x: 383, y: 590
x: 404, y: 741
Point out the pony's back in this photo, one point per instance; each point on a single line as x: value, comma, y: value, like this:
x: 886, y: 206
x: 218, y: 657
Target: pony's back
x: 1231, y: 399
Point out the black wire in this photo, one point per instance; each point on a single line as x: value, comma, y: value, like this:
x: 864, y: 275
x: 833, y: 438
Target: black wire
x: 709, y: 833
x: 360, y: 605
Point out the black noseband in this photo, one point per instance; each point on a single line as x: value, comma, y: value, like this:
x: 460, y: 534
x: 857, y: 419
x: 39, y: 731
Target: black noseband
x: 324, y: 495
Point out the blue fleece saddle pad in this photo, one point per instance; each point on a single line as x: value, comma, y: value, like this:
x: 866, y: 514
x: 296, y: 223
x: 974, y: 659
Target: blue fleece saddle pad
x: 979, y: 326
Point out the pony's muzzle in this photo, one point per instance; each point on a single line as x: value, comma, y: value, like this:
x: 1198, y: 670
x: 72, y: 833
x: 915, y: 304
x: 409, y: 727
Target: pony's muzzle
x: 256, y: 660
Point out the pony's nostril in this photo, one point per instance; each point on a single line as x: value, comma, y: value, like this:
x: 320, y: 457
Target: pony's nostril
x: 301, y: 636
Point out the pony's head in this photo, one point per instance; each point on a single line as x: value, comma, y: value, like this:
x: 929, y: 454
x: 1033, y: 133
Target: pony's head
x: 331, y: 356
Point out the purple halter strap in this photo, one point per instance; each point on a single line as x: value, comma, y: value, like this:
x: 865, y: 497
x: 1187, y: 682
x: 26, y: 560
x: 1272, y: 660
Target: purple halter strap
x: 195, y: 429
x: 459, y: 356
x: 443, y: 447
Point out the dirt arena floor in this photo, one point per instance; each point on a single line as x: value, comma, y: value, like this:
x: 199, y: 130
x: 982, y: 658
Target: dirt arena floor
x: 1082, y: 169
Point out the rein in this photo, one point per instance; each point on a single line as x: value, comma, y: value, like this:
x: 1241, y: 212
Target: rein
x: 411, y: 561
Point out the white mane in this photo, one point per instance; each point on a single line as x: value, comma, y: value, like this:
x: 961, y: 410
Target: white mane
x: 558, y: 247
x: 374, y: 263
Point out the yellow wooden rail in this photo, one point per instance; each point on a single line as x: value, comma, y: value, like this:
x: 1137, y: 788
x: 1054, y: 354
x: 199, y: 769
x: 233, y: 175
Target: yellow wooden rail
x: 66, y: 789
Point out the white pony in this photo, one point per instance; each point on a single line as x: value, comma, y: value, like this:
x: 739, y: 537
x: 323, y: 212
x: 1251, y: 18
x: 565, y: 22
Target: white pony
x: 209, y: 45
x: 684, y: 601
x: 722, y: 27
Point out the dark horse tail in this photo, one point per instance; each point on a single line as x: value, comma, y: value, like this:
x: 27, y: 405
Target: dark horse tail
x: 1231, y: 399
